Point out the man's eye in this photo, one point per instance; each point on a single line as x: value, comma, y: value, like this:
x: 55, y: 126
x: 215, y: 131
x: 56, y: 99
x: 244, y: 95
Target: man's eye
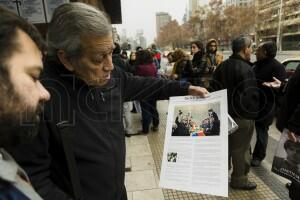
x: 35, y: 78
x: 98, y: 60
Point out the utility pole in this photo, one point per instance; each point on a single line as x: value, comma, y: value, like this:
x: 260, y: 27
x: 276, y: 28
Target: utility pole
x: 279, y: 35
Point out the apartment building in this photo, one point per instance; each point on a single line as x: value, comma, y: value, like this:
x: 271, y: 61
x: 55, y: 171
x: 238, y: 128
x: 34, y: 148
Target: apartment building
x: 287, y: 27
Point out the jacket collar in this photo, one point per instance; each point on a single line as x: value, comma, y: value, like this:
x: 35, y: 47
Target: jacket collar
x: 263, y: 61
x: 59, y: 69
x: 238, y: 57
x: 198, y: 56
x: 9, y: 169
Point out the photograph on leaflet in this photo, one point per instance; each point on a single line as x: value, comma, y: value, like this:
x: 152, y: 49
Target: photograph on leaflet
x: 172, y: 157
x: 196, y: 120
x: 286, y: 161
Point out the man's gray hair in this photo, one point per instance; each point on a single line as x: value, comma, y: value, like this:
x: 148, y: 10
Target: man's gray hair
x: 239, y: 43
x: 70, y: 22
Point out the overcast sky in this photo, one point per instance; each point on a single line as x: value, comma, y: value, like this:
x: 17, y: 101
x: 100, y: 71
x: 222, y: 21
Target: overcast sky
x: 140, y: 14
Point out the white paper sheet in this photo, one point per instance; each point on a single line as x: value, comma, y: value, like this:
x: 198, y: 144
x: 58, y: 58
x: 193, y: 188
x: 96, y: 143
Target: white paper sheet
x: 195, y: 157
x: 232, y: 125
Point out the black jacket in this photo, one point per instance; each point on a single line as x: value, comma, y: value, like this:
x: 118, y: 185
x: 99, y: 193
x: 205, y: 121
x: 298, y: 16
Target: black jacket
x: 237, y: 76
x: 9, y: 192
x: 289, y: 116
x: 264, y: 71
x: 80, y: 151
x: 121, y: 63
x: 183, y: 68
x: 198, y: 70
x: 199, y: 63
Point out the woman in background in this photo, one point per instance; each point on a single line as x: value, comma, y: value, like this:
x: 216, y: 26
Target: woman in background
x: 132, y: 66
x: 198, y: 62
x: 182, y: 69
x: 147, y: 68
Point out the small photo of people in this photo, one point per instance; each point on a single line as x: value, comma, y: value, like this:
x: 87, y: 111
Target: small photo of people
x: 172, y: 157
x: 199, y: 120
x: 287, y: 159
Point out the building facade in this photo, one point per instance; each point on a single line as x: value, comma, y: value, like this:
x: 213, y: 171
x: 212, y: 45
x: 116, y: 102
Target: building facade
x: 140, y: 38
x: 115, y: 35
x: 279, y: 19
x: 237, y: 2
x: 162, y: 18
x: 193, y: 7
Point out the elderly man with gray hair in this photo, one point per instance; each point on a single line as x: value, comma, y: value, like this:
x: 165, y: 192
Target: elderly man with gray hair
x: 236, y: 75
x: 80, y: 153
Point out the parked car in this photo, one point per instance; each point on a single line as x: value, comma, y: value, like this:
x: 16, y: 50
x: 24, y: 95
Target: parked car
x: 290, y: 65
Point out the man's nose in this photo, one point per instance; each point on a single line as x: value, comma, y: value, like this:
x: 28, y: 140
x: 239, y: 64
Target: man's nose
x: 44, y: 94
x: 108, y: 64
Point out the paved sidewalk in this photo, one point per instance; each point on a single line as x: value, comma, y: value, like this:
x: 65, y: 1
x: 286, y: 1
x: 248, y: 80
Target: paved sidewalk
x: 142, y: 181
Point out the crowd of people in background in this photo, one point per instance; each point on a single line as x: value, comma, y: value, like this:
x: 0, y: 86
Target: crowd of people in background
x: 255, y: 109
x: 196, y: 68
x: 79, y: 152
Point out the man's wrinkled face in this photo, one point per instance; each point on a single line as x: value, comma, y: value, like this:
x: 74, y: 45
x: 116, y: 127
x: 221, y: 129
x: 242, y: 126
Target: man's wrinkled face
x: 22, y: 94
x: 248, y: 52
x: 95, y: 65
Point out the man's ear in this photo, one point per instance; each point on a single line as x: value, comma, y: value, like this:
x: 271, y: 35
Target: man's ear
x: 244, y: 52
x: 63, y: 58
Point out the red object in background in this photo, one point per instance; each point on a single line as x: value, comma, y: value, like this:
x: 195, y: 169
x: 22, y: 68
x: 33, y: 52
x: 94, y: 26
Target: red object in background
x: 201, y: 133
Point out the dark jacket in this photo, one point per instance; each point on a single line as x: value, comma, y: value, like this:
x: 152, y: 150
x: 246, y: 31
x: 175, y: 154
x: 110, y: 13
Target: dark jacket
x: 264, y: 71
x: 289, y: 116
x: 198, y: 62
x: 12, y: 179
x: 9, y: 192
x: 121, y: 63
x: 237, y: 76
x: 80, y: 151
x: 183, y: 68
x: 132, y: 65
x: 199, y: 65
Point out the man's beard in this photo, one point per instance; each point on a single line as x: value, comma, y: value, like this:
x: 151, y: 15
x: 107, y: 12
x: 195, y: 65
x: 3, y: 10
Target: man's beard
x: 18, y: 122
